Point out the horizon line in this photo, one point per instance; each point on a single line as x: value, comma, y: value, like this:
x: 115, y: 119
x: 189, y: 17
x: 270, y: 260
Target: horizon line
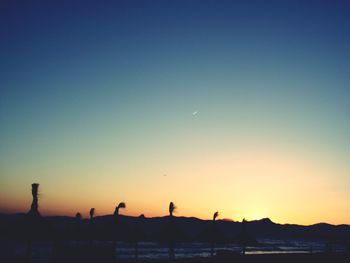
x: 202, y: 219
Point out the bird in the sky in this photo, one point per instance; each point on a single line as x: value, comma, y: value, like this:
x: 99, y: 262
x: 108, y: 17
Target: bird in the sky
x: 195, y: 113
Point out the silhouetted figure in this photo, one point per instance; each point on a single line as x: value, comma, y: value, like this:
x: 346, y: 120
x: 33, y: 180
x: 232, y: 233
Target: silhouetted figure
x: 216, y: 214
x: 171, y: 237
x: 116, y: 225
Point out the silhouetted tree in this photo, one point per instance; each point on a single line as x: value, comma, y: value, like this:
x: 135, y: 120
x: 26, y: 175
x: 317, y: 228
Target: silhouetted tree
x: 34, y: 211
x: 172, y: 209
x: 170, y: 238
x: 116, y: 224
x: 116, y: 211
x: 137, y: 234
x: 33, y: 220
x: 77, y: 227
x: 244, y: 235
x: 213, y: 232
x: 92, y: 213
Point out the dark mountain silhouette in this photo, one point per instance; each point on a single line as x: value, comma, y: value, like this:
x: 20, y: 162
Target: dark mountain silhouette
x: 192, y: 228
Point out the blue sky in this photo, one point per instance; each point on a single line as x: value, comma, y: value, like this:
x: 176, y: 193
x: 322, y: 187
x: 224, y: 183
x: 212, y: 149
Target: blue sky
x: 93, y: 86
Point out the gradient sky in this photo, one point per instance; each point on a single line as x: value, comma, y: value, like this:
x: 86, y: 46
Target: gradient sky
x: 97, y: 102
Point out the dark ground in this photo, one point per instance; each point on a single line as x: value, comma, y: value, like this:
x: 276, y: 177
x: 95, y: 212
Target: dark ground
x: 272, y: 258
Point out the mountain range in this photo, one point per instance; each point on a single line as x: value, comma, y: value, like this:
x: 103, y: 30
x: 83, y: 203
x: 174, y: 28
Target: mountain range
x: 187, y: 228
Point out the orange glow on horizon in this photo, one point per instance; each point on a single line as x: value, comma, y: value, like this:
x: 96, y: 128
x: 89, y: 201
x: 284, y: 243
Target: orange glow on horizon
x: 284, y: 188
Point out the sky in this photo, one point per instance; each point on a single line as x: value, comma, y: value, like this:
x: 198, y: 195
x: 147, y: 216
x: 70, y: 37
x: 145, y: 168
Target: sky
x: 240, y: 107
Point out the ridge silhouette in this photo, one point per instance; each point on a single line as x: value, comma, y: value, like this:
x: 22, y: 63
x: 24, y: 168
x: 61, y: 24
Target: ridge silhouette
x: 73, y: 238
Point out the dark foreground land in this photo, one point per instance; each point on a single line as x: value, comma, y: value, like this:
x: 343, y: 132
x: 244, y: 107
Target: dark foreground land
x: 257, y: 258
x: 283, y: 258
x: 273, y: 258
